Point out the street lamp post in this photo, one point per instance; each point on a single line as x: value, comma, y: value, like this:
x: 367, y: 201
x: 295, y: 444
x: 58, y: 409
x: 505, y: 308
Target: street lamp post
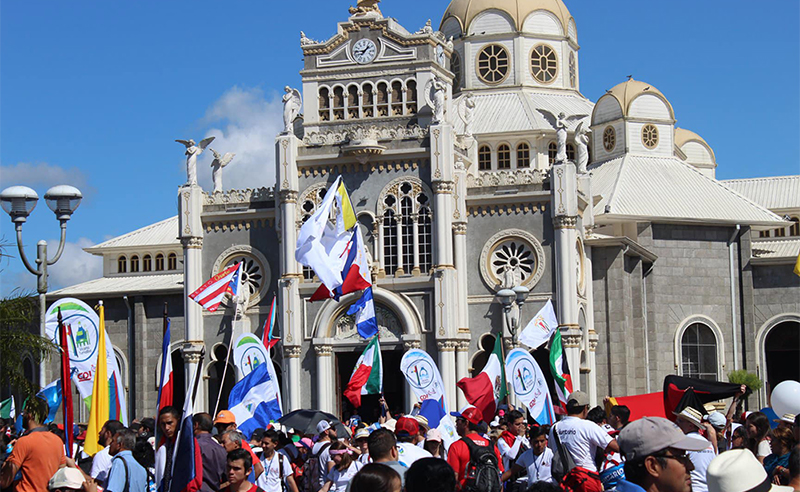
x: 509, y: 298
x: 19, y: 202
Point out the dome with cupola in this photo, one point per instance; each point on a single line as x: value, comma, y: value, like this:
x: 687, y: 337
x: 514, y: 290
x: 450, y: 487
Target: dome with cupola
x: 531, y: 16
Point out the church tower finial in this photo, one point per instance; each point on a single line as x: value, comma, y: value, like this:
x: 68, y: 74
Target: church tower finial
x: 364, y: 7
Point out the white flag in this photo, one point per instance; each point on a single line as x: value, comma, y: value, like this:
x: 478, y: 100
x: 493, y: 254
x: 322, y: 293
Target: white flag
x: 540, y: 328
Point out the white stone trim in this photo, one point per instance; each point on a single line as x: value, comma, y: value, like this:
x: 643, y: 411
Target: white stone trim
x: 246, y: 249
x: 503, y: 235
x: 761, y: 350
x: 720, y: 340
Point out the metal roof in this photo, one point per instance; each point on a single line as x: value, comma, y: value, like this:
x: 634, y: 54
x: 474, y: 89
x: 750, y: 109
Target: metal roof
x: 516, y: 110
x: 666, y: 189
x: 774, y: 193
x: 164, y: 233
x: 119, y: 286
x: 776, y: 248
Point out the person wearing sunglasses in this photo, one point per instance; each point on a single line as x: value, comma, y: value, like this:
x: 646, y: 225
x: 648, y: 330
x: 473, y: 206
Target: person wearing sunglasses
x: 655, y: 453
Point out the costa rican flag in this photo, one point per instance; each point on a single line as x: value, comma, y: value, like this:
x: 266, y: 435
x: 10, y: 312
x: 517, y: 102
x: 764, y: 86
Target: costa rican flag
x: 187, y: 462
x: 211, y: 293
x: 166, y: 382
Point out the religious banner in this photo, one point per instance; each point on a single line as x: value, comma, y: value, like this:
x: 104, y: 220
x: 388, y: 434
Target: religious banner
x: 82, y: 326
x: 530, y: 386
x: 249, y: 352
x: 426, y: 382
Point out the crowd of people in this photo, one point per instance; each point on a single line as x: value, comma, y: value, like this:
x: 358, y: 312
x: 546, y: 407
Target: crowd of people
x: 588, y: 449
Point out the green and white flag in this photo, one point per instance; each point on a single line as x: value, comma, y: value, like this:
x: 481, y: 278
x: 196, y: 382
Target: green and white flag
x: 7, y: 410
x: 367, y: 378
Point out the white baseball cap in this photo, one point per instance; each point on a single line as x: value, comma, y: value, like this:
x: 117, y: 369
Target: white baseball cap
x: 66, y: 478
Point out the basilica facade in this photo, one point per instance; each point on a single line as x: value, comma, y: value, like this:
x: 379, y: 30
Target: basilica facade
x: 475, y: 165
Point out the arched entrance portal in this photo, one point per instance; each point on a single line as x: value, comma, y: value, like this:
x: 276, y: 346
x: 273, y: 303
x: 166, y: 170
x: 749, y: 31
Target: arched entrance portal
x: 782, y: 353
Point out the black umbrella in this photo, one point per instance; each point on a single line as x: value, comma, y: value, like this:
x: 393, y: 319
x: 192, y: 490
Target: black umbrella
x: 306, y: 421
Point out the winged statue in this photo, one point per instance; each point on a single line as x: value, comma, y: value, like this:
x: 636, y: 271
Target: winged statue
x: 560, y: 123
x: 291, y: 108
x: 192, y: 151
x: 582, y: 145
x: 217, y: 164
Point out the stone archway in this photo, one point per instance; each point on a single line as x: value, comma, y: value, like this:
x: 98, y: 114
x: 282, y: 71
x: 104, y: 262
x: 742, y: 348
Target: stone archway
x: 778, y: 350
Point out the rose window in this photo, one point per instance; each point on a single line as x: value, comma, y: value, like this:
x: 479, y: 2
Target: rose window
x: 544, y: 63
x: 252, y: 274
x: 513, y: 260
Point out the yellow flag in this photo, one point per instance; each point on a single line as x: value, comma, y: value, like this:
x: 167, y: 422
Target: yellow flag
x: 797, y: 266
x: 346, y: 213
x: 98, y: 414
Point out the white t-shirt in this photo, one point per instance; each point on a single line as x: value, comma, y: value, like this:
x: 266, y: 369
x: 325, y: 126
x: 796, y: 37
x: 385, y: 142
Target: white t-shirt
x: 409, y: 453
x: 539, y: 467
x: 341, y: 479
x: 580, y: 438
x: 270, y: 480
x: 700, y: 460
x: 764, y: 449
x: 324, y: 458
x: 510, y: 453
x: 101, y: 465
x: 364, y: 458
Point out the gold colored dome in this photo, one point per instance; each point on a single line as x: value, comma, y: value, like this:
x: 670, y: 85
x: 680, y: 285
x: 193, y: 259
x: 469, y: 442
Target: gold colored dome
x: 466, y: 10
x: 626, y: 92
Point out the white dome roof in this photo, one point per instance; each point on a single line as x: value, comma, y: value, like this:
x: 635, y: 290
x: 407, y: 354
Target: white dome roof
x: 466, y: 10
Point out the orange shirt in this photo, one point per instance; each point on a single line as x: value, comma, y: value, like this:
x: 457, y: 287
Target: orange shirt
x: 458, y: 455
x: 38, y: 455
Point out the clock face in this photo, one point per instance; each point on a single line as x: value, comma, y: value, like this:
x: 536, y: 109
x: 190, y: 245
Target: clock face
x: 440, y: 55
x: 364, y: 51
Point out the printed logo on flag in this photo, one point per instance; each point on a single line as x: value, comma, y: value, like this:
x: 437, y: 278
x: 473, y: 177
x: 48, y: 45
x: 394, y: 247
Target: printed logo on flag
x: 82, y: 335
x: 419, y: 374
x: 250, y: 359
x: 248, y: 354
x: 522, y: 376
x: 540, y: 323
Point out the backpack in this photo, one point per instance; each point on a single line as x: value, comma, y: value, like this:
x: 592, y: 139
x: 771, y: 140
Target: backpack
x: 313, y: 470
x: 482, y: 473
x: 562, y: 460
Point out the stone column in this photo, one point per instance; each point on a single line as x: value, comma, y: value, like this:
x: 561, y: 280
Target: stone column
x: 460, y: 245
x: 291, y: 376
x: 462, y: 370
x: 447, y: 366
x: 325, y: 386
x: 190, y: 232
x: 593, y: 339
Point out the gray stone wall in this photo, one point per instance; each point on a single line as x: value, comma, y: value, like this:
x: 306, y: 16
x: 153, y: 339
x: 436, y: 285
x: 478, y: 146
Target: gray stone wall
x: 776, y: 291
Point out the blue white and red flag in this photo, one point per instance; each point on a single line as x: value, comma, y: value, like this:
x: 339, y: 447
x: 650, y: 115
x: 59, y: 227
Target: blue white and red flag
x: 187, y: 463
x: 268, y: 337
x: 211, y: 293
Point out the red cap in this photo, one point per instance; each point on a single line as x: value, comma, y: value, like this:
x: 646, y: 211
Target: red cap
x: 473, y: 415
x: 408, y: 425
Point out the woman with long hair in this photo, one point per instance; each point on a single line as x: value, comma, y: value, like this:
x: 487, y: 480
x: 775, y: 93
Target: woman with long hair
x: 738, y: 438
x: 344, y: 468
x: 757, y: 426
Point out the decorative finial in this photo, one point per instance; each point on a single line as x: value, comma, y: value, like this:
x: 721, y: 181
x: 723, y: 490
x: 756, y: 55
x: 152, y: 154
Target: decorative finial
x: 364, y: 7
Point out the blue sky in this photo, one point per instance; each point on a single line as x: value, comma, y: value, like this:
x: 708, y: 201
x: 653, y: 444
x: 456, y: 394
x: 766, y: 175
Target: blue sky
x: 93, y: 93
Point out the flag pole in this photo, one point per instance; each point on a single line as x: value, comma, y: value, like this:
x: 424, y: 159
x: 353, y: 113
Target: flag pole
x: 66, y: 386
x: 228, y: 357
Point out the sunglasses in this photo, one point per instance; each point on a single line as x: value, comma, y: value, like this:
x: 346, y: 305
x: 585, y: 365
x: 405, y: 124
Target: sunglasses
x: 681, y: 458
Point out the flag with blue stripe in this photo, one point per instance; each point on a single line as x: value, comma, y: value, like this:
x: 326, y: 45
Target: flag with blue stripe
x: 364, y: 309
x: 52, y: 395
x: 254, y: 401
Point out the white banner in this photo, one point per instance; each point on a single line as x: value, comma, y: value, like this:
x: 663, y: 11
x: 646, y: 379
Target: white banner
x: 248, y: 353
x: 540, y: 328
x: 426, y: 382
x: 83, y: 327
x: 530, y: 386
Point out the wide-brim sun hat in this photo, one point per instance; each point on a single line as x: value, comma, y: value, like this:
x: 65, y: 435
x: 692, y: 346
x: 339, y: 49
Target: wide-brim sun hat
x: 738, y: 470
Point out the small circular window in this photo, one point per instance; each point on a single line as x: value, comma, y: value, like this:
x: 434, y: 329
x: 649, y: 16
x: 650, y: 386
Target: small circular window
x: 493, y: 64
x: 609, y: 138
x: 455, y: 67
x: 650, y: 136
x: 544, y: 63
x: 573, y: 70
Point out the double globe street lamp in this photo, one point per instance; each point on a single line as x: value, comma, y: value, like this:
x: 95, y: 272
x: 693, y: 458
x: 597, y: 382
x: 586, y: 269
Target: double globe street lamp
x: 508, y: 298
x: 19, y: 202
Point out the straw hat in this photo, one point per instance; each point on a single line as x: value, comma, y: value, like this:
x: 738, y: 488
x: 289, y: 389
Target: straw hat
x: 691, y: 415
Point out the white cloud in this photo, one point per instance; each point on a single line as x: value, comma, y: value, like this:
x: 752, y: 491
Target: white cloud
x: 41, y: 176
x: 246, y: 123
x: 74, y: 266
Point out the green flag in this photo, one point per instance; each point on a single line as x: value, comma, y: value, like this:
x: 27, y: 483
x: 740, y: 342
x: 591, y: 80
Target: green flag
x: 7, y: 410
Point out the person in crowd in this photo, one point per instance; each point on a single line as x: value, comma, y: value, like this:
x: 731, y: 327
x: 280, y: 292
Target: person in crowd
x: 794, y: 468
x: 535, y: 463
x: 255, y: 442
x: 434, y: 445
x: 777, y: 464
x: 458, y: 456
x: 581, y: 439
x: 214, y: 456
x: 147, y: 427
x: 277, y: 466
x: 144, y: 454
x: 619, y: 417
x: 719, y: 423
x: 225, y: 420
x: 690, y: 421
x: 238, y: 467
x: 739, y: 471
x: 757, y: 426
x: 232, y: 439
x: 126, y: 474
x: 738, y: 438
x: 69, y: 480
x: 344, y: 468
x: 512, y: 444
x: 360, y: 440
x: 319, y: 463
x: 101, y: 464
x: 168, y: 419
x: 37, y: 454
x: 597, y: 415
x: 382, y: 446
x: 375, y: 477
x: 655, y: 456
x: 407, y: 431
x: 430, y: 475
x: 462, y: 426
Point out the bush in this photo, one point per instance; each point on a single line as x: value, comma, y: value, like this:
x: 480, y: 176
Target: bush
x: 748, y: 379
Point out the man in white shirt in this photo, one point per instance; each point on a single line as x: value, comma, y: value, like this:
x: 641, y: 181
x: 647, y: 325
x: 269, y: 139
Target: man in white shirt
x: 536, y: 462
x: 581, y: 439
x: 690, y: 421
x: 407, y: 432
x: 277, y: 467
x: 321, y: 450
x: 512, y: 444
x: 101, y: 464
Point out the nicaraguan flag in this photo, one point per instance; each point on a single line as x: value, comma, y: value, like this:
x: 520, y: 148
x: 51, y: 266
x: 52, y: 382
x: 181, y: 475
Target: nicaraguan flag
x: 52, y: 395
x: 364, y: 309
x: 254, y: 401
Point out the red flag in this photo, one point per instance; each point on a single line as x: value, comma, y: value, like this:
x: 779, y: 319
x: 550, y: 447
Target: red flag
x: 66, y: 386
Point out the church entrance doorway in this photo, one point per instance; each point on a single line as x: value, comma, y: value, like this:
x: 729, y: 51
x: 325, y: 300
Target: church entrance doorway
x: 393, y: 385
x: 782, y: 351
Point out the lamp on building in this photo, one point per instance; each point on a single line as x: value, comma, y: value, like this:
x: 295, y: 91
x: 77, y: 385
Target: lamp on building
x: 508, y: 298
x: 19, y: 202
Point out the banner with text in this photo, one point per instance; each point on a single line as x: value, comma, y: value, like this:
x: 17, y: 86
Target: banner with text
x: 530, y: 386
x: 426, y: 382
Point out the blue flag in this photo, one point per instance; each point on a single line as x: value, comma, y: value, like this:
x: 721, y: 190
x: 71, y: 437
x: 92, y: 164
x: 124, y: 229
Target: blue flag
x: 254, y: 401
x: 364, y: 309
x: 52, y: 395
x: 432, y: 410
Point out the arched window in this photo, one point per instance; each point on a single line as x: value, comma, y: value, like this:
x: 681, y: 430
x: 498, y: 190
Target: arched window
x: 552, y: 152
x: 411, y: 97
x: 215, y: 371
x: 338, y: 103
x: 324, y: 104
x: 172, y: 261
x: 397, y: 98
x: 352, y: 102
x: 309, y: 201
x: 794, y: 230
x: 699, y: 352
x: 147, y: 263
x: 523, y: 155
x: 159, y: 262
x: 570, y: 152
x: 367, y: 100
x: 406, y: 234
x: 134, y: 263
x: 503, y: 157
x: 383, y: 99
x: 484, y: 158
x: 122, y: 264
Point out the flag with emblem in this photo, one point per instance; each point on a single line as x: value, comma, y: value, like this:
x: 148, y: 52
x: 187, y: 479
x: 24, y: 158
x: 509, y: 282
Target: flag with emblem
x: 367, y: 378
x: 489, y: 387
x: 255, y: 400
x: 540, y: 328
x: 560, y: 369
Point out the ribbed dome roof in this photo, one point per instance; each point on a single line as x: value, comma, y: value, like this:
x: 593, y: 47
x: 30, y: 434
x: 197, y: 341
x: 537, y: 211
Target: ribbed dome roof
x: 684, y: 136
x: 466, y: 10
x: 629, y: 90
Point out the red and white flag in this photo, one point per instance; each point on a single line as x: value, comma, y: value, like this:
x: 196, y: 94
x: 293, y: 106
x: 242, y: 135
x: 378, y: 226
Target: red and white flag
x: 367, y: 378
x: 211, y: 293
x: 489, y: 387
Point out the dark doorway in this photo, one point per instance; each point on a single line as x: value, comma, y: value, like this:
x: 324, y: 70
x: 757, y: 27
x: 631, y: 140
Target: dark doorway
x: 782, y: 351
x: 215, y: 372
x: 179, y: 380
x: 393, y: 385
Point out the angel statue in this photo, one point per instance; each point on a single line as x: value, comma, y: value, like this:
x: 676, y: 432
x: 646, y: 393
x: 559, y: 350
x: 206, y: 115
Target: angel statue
x: 217, y: 164
x: 582, y: 146
x: 468, y: 113
x: 291, y: 108
x: 439, y: 94
x: 192, y: 151
x: 560, y: 123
